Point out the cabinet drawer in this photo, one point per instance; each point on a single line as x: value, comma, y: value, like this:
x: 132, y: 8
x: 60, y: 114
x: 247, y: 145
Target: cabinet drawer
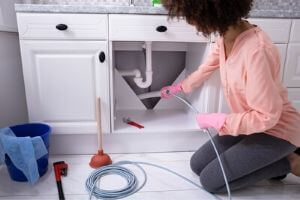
x: 144, y: 28
x: 295, y: 32
x: 277, y: 29
x: 294, y: 97
x: 79, y: 26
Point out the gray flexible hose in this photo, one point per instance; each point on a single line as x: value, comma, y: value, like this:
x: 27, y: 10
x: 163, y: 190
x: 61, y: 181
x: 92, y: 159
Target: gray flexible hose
x: 132, y: 181
x: 212, y: 142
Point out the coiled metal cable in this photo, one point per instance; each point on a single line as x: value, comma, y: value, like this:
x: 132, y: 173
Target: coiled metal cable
x: 132, y: 181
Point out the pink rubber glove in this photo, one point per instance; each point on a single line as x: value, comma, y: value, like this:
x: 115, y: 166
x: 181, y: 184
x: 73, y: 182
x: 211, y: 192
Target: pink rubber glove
x: 214, y: 120
x: 173, y: 89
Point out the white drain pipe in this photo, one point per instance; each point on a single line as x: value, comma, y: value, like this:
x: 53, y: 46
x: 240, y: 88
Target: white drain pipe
x: 149, y: 95
x: 148, y: 74
x: 138, y: 79
x: 134, y: 72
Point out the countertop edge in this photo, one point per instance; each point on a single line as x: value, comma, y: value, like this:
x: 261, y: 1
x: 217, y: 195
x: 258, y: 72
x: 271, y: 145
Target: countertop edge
x: 139, y: 10
x: 84, y: 9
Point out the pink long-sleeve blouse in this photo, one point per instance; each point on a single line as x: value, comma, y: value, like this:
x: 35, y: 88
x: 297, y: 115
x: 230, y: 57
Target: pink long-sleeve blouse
x: 250, y: 78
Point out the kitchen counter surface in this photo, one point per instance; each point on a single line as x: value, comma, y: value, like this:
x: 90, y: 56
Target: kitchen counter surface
x: 292, y: 11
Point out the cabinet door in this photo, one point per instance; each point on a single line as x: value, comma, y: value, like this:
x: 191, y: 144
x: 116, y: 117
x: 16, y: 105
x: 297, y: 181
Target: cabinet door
x: 295, y: 31
x: 294, y: 97
x: 62, y: 81
x: 292, y: 68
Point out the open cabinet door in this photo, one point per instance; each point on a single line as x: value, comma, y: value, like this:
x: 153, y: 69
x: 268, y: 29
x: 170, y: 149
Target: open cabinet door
x: 124, y: 95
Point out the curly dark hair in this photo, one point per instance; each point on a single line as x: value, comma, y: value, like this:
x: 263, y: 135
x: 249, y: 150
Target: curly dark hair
x: 209, y: 16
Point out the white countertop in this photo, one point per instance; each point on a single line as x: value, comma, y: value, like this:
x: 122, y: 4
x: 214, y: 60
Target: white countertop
x: 149, y: 10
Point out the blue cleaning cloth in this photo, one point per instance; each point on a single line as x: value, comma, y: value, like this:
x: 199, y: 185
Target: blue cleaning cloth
x: 23, y: 152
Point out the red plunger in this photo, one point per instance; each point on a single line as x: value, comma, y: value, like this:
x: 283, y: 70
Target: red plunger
x: 100, y: 159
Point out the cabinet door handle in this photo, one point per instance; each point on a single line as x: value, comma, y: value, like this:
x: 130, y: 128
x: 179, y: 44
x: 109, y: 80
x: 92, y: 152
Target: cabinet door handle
x: 102, y: 57
x: 61, y: 27
x: 161, y: 29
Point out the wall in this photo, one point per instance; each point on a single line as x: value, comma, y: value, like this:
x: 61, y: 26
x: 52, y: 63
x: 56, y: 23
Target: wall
x: 13, y: 108
x: 12, y: 93
x: 7, y: 15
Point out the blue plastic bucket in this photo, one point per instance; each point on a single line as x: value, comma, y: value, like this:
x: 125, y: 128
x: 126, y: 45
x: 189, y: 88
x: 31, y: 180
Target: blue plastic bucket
x: 31, y: 130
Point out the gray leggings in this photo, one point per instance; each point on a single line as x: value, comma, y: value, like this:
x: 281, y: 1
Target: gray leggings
x: 246, y: 160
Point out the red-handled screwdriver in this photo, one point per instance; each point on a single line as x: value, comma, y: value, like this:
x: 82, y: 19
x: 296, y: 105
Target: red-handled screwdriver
x: 132, y: 123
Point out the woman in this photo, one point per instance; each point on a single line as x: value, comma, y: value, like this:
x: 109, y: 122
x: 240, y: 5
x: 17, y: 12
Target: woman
x: 259, y: 138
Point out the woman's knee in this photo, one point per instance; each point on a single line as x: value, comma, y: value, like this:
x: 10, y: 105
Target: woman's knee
x: 210, y: 182
x: 196, y: 163
x: 201, y: 158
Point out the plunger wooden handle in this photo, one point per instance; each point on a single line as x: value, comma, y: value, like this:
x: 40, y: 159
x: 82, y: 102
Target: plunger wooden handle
x: 98, y: 119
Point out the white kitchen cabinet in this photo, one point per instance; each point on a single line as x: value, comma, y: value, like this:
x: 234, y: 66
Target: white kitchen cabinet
x: 294, y: 97
x: 295, y: 32
x: 63, y: 76
x: 62, y: 26
x: 277, y: 29
x: 62, y: 81
x: 282, y: 52
x: 151, y: 28
x: 292, y: 68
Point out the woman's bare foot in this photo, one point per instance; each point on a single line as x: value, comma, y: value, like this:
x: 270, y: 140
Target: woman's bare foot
x: 294, y: 160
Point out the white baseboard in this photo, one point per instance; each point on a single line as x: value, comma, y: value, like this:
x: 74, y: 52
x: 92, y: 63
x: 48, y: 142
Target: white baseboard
x: 127, y: 143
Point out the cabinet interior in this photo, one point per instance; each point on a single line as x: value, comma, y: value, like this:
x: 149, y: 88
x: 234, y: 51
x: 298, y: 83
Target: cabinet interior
x: 171, y: 63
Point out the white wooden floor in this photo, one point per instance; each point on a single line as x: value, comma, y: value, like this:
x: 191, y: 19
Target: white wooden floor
x: 160, y: 185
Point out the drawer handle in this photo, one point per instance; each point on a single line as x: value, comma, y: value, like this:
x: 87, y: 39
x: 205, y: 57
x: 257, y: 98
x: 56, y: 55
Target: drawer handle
x: 62, y: 27
x: 161, y: 29
x: 102, y: 57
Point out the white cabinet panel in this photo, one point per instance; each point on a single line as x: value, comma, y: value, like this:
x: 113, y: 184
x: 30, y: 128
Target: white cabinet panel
x: 295, y: 32
x: 294, y: 97
x: 282, y: 51
x: 62, y: 80
x: 144, y: 28
x: 63, y: 84
x: 277, y: 29
x: 77, y: 26
x: 292, y: 68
